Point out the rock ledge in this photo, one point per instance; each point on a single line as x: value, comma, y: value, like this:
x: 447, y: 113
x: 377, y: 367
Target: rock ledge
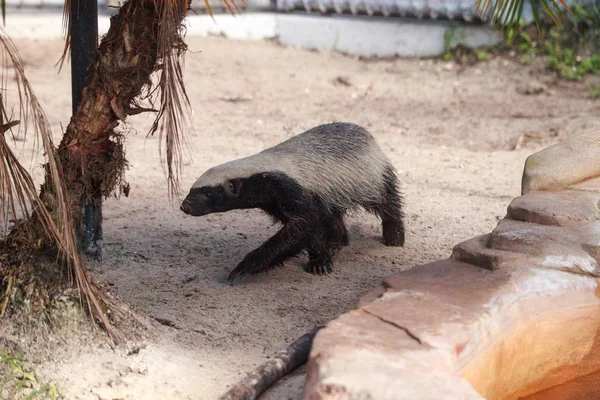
x: 512, y: 314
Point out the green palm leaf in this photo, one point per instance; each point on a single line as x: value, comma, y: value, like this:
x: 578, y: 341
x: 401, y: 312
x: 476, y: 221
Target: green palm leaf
x: 507, y: 14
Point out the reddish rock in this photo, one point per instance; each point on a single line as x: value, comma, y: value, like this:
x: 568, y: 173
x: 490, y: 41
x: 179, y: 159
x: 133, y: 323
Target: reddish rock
x: 563, y: 164
x: 550, y: 246
x: 567, y: 208
x: 504, y: 318
x: 522, y: 243
x: 330, y: 392
x: 360, y: 356
x: 477, y: 252
x: 445, y: 275
x: 592, y: 184
x: 437, y: 333
x: 371, y: 295
x: 590, y: 239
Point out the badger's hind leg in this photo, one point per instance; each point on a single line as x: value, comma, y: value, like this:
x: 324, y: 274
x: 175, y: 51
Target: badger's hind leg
x: 328, y: 236
x: 390, y: 211
x: 319, y: 252
x: 337, y: 234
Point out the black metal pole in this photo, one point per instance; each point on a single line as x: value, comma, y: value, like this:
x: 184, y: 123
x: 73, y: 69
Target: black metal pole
x: 84, y: 42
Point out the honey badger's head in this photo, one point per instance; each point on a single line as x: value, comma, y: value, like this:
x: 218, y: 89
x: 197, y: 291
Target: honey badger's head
x: 214, y: 198
x: 238, y: 184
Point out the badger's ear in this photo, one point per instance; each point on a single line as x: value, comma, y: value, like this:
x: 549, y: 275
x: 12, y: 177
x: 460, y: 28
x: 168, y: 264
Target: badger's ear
x: 233, y: 187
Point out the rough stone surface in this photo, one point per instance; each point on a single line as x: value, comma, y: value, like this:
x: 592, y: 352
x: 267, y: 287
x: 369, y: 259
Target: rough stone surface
x: 355, y: 356
x: 436, y: 312
x: 476, y: 251
x: 442, y: 303
x: 563, y: 164
x: 551, y: 247
x: 590, y: 239
x: 512, y: 314
x: 425, y: 326
x: 566, y: 208
x: 545, y: 351
x: 592, y: 185
x: 445, y: 278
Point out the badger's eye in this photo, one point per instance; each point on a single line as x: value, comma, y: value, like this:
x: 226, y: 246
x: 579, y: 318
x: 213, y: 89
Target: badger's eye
x: 232, y: 187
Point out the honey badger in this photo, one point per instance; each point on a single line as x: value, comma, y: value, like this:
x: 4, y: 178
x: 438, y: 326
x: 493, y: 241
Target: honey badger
x: 307, y: 183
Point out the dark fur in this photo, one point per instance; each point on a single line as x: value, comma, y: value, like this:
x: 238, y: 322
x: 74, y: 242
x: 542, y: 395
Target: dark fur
x: 307, y: 224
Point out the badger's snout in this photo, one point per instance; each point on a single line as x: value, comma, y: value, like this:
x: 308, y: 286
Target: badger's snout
x: 186, y: 206
x: 196, y: 205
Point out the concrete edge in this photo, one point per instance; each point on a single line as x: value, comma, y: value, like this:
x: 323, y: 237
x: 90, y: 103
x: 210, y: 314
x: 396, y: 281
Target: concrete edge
x: 355, y: 35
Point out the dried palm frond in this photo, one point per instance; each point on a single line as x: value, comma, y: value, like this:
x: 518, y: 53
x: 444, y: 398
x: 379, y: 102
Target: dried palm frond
x: 507, y: 14
x: 66, y: 22
x: 18, y: 195
x: 173, y: 119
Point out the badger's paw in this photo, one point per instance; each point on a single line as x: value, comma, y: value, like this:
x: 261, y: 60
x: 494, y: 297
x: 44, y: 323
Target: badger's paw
x: 249, y: 265
x: 393, y: 234
x: 320, y: 265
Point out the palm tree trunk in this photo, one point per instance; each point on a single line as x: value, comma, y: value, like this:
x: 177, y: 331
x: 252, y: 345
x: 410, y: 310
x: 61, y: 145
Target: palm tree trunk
x: 142, y: 39
x: 91, y: 151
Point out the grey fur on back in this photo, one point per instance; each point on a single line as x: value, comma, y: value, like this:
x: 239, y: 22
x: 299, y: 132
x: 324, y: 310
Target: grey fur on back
x: 341, y: 162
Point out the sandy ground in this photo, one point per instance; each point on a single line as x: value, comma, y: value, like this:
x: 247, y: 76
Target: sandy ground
x: 449, y: 131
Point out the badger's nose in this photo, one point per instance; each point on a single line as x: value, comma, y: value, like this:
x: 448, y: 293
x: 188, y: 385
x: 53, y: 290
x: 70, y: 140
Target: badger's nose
x: 185, y: 206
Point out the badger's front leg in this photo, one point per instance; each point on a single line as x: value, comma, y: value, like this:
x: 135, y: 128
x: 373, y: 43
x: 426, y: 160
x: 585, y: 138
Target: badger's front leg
x: 329, y: 237
x: 289, y: 241
x: 319, y: 261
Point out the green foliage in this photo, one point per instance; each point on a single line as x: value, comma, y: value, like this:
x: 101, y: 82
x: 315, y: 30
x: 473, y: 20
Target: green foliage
x: 18, y: 381
x: 454, y: 39
x: 507, y: 14
x: 573, y: 51
x: 483, y: 55
x: 568, y: 65
x: 455, y: 48
x: 449, y: 42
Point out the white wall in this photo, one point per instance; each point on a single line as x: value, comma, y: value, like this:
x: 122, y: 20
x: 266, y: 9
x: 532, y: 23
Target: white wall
x: 353, y: 35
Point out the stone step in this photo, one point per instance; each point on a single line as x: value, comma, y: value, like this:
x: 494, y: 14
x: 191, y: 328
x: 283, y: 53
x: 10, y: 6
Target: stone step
x: 514, y: 313
x: 564, y: 164
x: 567, y: 208
x: 449, y: 330
x: 477, y: 252
x: 550, y: 246
x: 592, y: 184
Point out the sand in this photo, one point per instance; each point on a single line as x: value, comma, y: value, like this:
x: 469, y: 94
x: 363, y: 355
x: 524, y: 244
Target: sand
x: 450, y: 131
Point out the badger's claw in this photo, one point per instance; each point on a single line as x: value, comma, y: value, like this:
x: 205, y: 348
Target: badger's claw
x: 319, y: 267
x: 249, y: 265
x: 233, y: 274
x: 239, y: 271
